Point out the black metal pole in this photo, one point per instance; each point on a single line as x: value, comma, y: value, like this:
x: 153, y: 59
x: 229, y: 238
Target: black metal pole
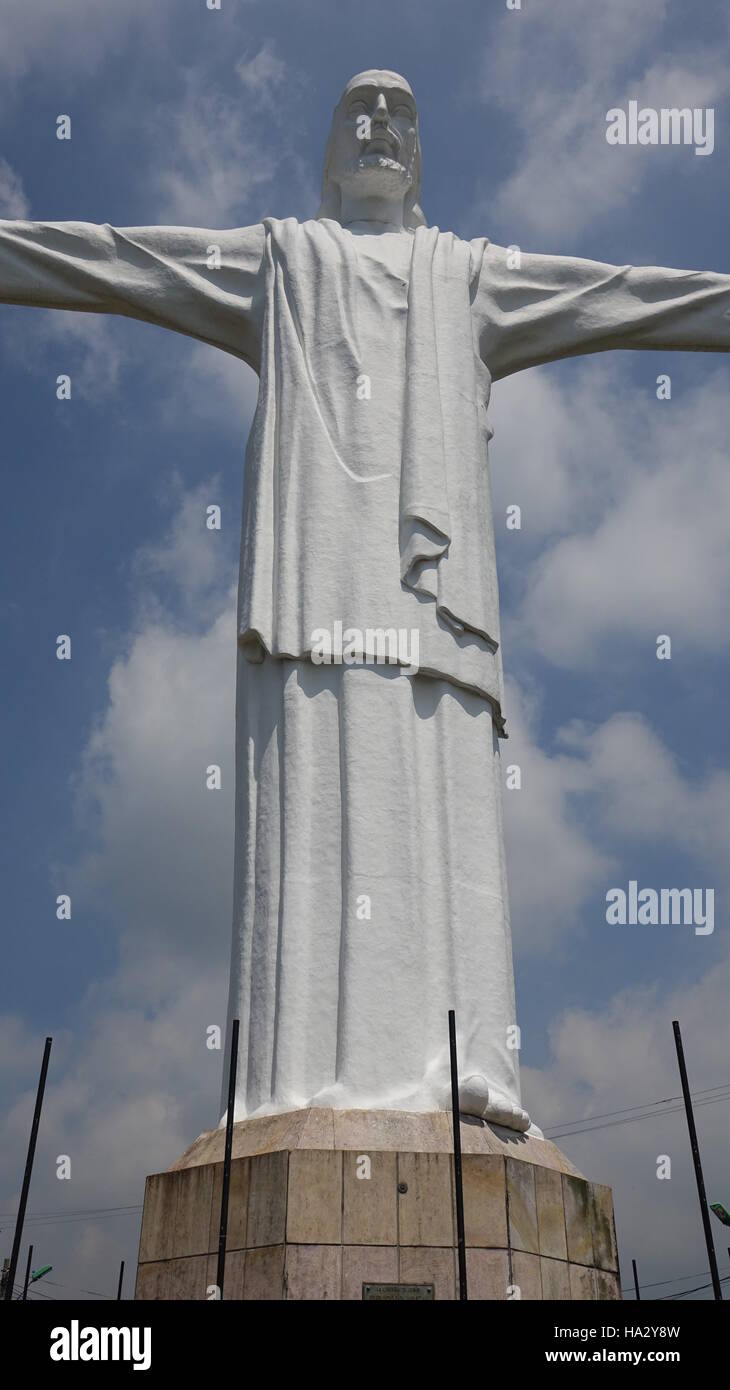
x: 121, y: 1280
x: 27, y: 1274
x: 458, y: 1180
x: 28, y: 1171
x: 698, y: 1166
x: 227, y: 1158
x: 636, y: 1281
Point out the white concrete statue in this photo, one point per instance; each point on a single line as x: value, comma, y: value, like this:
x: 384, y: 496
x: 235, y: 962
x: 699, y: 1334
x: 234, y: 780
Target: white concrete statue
x: 370, y: 891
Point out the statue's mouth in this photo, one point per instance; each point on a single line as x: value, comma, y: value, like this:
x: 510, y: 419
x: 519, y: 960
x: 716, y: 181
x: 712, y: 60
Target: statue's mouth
x: 386, y: 142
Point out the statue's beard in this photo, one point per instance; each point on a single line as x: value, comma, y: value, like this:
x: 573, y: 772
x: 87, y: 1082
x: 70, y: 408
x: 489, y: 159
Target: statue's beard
x: 376, y: 175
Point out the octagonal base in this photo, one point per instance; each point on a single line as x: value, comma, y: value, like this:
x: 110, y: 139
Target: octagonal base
x: 323, y: 1202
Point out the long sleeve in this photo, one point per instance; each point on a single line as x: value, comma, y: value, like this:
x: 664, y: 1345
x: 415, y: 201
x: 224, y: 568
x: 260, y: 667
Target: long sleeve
x: 561, y: 306
x: 163, y: 275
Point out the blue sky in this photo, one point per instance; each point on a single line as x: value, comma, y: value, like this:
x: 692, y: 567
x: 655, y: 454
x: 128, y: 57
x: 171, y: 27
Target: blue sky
x: 185, y: 115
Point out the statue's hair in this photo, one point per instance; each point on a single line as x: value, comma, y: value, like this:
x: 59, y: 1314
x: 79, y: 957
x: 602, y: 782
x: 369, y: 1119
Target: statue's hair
x: 331, y: 197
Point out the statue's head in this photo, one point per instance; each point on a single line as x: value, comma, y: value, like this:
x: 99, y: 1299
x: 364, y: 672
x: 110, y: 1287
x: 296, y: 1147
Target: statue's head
x: 374, y: 147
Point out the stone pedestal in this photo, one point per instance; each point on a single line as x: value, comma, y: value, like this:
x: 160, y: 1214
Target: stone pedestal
x: 323, y: 1202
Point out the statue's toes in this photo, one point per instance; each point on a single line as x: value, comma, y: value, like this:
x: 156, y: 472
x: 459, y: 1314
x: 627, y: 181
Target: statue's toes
x: 477, y: 1097
x: 505, y: 1112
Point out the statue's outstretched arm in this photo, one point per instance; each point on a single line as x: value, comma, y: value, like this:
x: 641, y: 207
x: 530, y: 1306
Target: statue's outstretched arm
x: 207, y: 284
x: 533, y: 309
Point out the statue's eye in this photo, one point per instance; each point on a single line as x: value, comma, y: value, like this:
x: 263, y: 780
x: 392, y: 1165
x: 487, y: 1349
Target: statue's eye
x: 357, y: 108
x: 403, y: 111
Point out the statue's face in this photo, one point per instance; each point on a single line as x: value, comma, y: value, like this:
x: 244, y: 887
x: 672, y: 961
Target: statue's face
x: 374, y: 136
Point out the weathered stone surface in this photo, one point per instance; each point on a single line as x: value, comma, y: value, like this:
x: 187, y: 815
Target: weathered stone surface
x: 318, y: 1130
x: 607, y: 1286
x: 265, y: 1134
x: 370, y: 1130
x: 392, y: 1130
x: 263, y: 1276
x: 267, y: 1200
x: 302, y: 1224
x: 550, y: 1214
x: 370, y: 1205
x: 478, y: 1136
x: 215, y: 1202
x: 605, y: 1253
x: 424, y: 1265
x: 233, y: 1277
x: 487, y: 1274
x: 522, y: 1206
x: 555, y: 1279
x: 367, y: 1264
x: 578, y: 1209
x: 187, y: 1279
x: 314, y: 1206
x: 313, y: 1272
x: 151, y: 1281
x: 582, y: 1282
x: 192, y: 1211
x: 237, y: 1205
x: 526, y: 1275
x: 485, y: 1200
x: 158, y: 1223
x: 425, y: 1210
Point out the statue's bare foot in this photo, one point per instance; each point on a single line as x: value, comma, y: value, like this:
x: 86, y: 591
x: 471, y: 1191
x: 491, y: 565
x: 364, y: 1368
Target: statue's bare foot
x: 478, y: 1097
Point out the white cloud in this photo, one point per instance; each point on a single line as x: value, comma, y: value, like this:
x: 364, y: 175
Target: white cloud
x: 624, y: 1055
x: 19, y: 1056
x: 190, y: 379
x: 556, y: 75
x: 167, y: 873
x: 126, y: 1094
x: 13, y: 202
x: 86, y: 347
x: 560, y: 447
x: 657, y: 561
x: 212, y: 158
x: 216, y: 388
x: 76, y: 37
x: 73, y: 37
x: 642, y: 793
x: 194, y: 560
x: 603, y: 796
x: 134, y: 1082
x: 554, y: 862
x: 264, y: 74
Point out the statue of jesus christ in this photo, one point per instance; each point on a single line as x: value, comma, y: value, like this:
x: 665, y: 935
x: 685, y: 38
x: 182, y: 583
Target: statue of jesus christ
x: 370, y: 891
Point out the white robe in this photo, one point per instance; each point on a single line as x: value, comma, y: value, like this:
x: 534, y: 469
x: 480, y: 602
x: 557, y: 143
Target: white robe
x: 370, y: 892
x: 361, y: 784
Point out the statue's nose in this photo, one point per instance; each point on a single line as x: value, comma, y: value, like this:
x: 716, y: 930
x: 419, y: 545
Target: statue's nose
x: 380, y: 113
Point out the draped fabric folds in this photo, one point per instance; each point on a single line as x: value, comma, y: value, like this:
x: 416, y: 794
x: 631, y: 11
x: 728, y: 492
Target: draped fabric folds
x: 444, y: 445
x: 388, y: 491
x: 369, y: 897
